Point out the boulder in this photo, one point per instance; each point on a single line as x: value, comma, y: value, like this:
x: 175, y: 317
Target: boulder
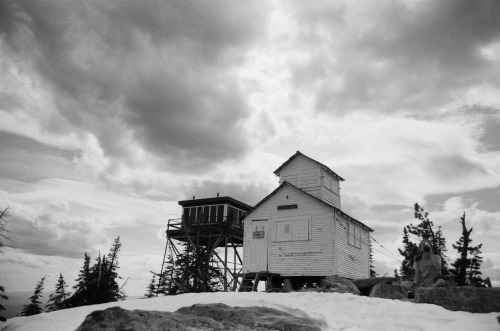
x: 387, y: 291
x: 365, y: 285
x: 470, y: 299
x: 334, y: 284
x: 116, y: 318
x: 197, y: 317
x: 257, y: 318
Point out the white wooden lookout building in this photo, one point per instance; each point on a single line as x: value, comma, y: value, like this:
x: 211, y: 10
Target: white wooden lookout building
x: 299, y: 232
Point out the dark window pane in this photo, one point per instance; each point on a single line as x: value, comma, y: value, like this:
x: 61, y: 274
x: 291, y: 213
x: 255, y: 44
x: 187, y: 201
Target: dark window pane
x: 232, y: 213
x: 192, y: 214
x: 220, y: 213
x: 206, y: 210
x: 213, y: 212
x: 199, y: 213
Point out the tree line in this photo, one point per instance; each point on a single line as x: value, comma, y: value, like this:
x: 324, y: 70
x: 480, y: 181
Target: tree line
x: 96, y: 283
x: 465, y: 270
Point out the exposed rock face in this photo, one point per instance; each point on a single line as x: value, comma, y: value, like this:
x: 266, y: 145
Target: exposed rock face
x: 365, y: 285
x: 334, y: 284
x: 116, y: 318
x: 387, y: 291
x: 257, y: 318
x: 471, y: 299
x: 197, y: 317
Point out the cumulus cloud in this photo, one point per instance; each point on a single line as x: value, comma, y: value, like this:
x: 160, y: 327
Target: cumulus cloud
x: 53, y: 232
x: 394, y: 56
x: 157, y: 75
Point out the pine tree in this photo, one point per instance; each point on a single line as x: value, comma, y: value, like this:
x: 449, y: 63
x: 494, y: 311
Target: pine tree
x: 83, y: 286
x: 57, y: 300
x: 463, y: 266
x: 3, y: 239
x: 424, y: 230
x: 3, y: 296
x: 169, y: 279
x: 151, y: 288
x: 192, y: 271
x: 373, y: 274
x: 104, y: 276
x: 98, y: 283
x: 33, y: 307
x: 109, y: 289
x: 409, y: 253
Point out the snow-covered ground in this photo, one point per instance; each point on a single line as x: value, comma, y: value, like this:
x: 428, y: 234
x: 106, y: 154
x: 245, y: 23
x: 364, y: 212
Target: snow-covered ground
x: 333, y: 311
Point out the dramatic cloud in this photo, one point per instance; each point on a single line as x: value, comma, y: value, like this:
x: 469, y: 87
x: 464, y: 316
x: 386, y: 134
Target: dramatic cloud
x: 158, y: 77
x: 394, y: 56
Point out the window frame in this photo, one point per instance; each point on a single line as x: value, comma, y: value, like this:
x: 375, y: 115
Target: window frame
x: 289, y: 230
x: 354, y: 235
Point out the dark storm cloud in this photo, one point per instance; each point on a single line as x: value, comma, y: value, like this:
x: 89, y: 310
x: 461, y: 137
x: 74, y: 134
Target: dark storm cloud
x: 398, y: 56
x: 175, y: 116
x: 158, y: 71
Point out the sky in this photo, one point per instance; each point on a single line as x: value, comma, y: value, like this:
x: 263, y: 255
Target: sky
x: 351, y: 312
x: 112, y: 111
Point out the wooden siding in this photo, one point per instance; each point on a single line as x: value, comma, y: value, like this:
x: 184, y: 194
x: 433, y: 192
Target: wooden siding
x: 307, y: 254
x: 304, y: 174
x: 353, y: 262
x: 331, y: 198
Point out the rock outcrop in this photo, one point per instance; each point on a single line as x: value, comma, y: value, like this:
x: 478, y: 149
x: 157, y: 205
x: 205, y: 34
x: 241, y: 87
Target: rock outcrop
x: 197, y: 317
x: 257, y: 318
x: 387, y: 291
x: 471, y: 299
x: 365, y: 285
x: 334, y: 284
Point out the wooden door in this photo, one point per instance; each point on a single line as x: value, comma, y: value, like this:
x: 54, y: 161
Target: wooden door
x: 258, y: 246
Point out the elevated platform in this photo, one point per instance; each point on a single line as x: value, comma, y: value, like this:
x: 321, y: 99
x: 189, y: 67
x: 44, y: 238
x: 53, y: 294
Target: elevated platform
x: 206, y: 232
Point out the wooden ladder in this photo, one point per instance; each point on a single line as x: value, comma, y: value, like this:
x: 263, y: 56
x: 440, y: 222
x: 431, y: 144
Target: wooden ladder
x: 247, y: 285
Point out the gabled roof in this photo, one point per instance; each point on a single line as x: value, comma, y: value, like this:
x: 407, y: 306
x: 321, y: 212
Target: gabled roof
x: 285, y: 183
x: 330, y: 171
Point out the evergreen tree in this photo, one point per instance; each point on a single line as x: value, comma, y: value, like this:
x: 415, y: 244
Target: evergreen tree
x: 409, y: 253
x: 424, y: 230
x: 373, y: 274
x: 192, y: 271
x: 98, y: 283
x: 57, y: 300
x: 3, y: 239
x: 3, y: 296
x: 168, y: 280
x: 33, y: 307
x: 464, y: 266
x: 108, y: 287
x: 196, y: 272
x: 151, y: 288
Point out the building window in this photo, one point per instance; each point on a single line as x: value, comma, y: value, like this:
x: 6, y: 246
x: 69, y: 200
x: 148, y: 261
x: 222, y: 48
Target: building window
x: 354, y: 235
x: 292, y: 230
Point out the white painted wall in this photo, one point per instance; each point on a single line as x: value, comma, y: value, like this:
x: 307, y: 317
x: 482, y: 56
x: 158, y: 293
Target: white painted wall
x: 312, y: 224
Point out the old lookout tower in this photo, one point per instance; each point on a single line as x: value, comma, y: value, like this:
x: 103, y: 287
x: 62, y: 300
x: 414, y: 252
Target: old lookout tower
x: 215, y: 224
